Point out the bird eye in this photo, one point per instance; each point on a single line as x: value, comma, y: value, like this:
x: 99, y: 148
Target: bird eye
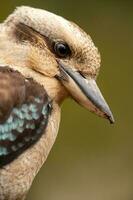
x: 62, y: 49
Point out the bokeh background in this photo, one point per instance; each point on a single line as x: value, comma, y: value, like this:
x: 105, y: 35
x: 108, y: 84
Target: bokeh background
x: 92, y: 159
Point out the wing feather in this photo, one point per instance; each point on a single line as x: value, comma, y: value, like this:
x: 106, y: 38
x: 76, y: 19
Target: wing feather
x: 24, y: 111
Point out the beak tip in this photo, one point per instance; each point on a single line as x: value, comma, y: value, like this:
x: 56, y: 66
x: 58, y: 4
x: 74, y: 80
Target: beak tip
x: 110, y: 118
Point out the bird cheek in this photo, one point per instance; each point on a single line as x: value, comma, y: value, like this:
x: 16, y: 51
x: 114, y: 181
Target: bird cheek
x: 49, y: 69
x: 46, y: 66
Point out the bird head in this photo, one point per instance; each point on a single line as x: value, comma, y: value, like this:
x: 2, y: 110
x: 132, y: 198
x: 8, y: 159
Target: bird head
x: 60, y: 50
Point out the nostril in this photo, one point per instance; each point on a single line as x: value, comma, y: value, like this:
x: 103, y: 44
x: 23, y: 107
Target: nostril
x: 81, y: 73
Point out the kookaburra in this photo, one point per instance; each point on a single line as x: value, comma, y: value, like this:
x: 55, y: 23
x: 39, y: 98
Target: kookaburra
x: 43, y: 59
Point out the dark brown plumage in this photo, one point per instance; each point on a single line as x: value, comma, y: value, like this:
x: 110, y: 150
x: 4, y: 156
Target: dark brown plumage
x: 25, y: 108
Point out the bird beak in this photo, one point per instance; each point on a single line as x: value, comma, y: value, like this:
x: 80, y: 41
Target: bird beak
x: 84, y: 91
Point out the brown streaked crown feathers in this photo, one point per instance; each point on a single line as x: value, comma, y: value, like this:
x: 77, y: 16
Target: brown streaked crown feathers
x: 44, y: 58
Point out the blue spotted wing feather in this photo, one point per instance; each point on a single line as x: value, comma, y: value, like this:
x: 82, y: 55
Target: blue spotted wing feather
x: 24, y: 111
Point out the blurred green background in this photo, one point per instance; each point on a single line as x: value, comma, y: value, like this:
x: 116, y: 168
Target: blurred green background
x: 92, y: 159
